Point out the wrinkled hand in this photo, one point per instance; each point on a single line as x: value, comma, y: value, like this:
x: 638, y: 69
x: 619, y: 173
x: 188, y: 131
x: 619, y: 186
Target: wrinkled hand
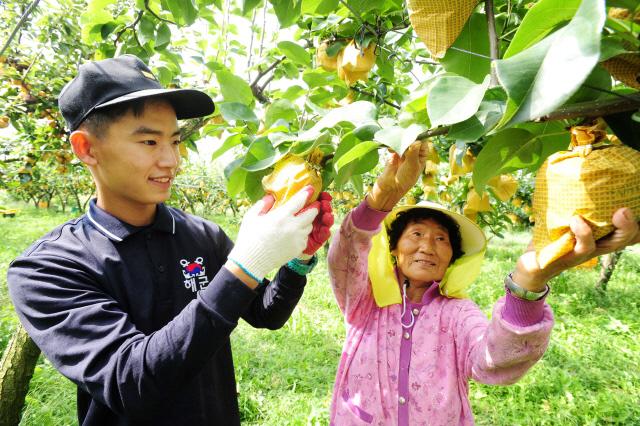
x: 530, y: 276
x: 268, y: 238
x: 398, y: 177
x: 321, y: 225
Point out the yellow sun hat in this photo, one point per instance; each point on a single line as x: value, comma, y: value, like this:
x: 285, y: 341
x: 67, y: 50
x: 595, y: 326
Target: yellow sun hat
x: 459, y: 275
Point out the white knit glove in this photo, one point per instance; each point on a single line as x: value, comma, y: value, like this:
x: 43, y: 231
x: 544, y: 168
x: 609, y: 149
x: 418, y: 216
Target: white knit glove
x: 270, y: 240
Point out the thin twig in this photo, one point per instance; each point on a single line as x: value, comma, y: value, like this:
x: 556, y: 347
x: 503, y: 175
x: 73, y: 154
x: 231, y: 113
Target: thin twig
x: 266, y: 82
x: 253, y: 25
x: 374, y: 96
x: 146, y: 6
x: 131, y: 26
x: 580, y: 110
x: 470, y: 52
x: 609, y: 92
x: 26, y: 72
x: 266, y: 71
x: 354, y: 13
x: 264, y: 26
x: 493, y: 39
x: 22, y: 20
x: 597, y: 108
x: 433, y: 132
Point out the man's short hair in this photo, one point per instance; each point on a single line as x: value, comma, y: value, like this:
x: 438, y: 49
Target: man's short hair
x: 98, y: 121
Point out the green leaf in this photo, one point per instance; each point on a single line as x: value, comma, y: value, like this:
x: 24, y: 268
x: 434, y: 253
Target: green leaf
x: 287, y: 11
x: 473, y: 38
x: 184, y: 11
x: 146, y: 31
x: 398, y: 138
x: 385, y: 64
x: 598, y: 79
x: 366, y: 132
x: 358, y: 151
x: 249, y: 5
x: 543, y: 18
x: 454, y: 99
x: 318, y: 78
x: 164, y: 74
x: 359, y: 165
x: 234, y: 88
x: 235, y: 176
x: 230, y: 142
x: 261, y: 155
x: 163, y: 36
x: 480, y: 123
x: 514, y: 149
x: 281, y: 109
x: 326, y: 6
x: 357, y: 113
x: 544, y: 76
x: 295, y: 53
x: 610, y: 47
x: 232, y: 111
x: 319, y: 7
x: 293, y: 92
x: 335, y: 48
x: 253, y: 185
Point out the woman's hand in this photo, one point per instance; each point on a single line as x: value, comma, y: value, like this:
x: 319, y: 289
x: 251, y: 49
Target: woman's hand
x: 398, y: 177
x: 530, y: 276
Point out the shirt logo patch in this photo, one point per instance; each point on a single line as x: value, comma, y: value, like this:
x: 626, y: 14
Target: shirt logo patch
x: 195, y: 274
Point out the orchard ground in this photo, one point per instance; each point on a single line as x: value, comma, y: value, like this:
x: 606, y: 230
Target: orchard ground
x: 590, y: 374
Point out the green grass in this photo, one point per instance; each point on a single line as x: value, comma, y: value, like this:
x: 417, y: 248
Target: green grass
x: 589, y: 376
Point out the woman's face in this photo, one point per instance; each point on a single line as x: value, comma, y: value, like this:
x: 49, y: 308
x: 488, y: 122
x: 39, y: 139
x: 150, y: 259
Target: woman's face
x: 423, y: 251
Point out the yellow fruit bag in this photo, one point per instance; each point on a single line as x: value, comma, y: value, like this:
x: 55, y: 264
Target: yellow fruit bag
x: 355, y: 62
x: 328, y: 63
x: 439, y: 22
x: 290, y: 175
x: 625, y: 68
x: 592, y: 179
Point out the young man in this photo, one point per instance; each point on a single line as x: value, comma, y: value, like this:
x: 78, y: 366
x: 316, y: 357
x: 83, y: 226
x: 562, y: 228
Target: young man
x: 135, y: 301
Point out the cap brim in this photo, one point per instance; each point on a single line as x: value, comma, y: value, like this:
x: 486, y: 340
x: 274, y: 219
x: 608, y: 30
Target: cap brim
x: 473, y: 238
x: 187, y: 103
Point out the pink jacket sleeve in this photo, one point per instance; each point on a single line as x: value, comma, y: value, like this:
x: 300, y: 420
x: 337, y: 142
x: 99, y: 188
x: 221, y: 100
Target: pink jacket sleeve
x: 348, y: 263
x: 498, y: 351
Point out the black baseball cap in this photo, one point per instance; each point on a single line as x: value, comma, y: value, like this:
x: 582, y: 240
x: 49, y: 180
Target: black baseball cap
x: 117, y: 80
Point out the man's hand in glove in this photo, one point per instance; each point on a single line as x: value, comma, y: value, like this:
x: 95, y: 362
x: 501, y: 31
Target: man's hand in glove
x: 321, y: 226
x: 269, y: 238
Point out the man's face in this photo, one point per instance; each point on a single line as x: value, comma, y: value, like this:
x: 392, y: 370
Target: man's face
x: 137, y: 159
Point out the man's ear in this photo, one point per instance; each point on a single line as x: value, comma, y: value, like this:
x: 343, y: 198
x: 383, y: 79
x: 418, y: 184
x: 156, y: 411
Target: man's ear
x: 82, y: 143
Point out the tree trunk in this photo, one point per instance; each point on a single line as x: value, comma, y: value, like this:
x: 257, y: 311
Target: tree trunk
x: 16, y: 368
x: 609, y: 262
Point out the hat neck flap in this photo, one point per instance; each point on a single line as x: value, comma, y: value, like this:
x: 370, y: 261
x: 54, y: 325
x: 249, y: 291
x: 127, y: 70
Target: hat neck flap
x: 458, y: 277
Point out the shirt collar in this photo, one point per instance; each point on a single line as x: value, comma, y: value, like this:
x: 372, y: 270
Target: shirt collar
x: 117, y: 230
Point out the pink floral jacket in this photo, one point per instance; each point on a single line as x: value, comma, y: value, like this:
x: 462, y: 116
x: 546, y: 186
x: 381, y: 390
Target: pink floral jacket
x: 419, y: 374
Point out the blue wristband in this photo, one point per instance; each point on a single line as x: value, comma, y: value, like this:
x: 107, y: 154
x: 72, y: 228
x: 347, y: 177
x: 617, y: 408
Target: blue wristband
x: 245, y: 270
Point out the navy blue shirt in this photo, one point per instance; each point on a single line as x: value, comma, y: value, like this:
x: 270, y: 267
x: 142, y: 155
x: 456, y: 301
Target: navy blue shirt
x: 140, y: 317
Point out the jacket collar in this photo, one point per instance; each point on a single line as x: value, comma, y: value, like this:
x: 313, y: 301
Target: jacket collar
x: 117, y: 230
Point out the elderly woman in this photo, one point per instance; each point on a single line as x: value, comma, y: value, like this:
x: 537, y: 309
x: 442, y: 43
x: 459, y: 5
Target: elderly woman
x: 413, y: 338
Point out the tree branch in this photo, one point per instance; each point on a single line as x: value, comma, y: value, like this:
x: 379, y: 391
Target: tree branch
x: 493, y: 40
x: 594, y: 109
x: 258, y: 90
x: 146, y: 6
x: 130, y: 26
x: 21, y: 22
x: 590, y: 109
x: 354, y: 13
x: 374, y: 96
